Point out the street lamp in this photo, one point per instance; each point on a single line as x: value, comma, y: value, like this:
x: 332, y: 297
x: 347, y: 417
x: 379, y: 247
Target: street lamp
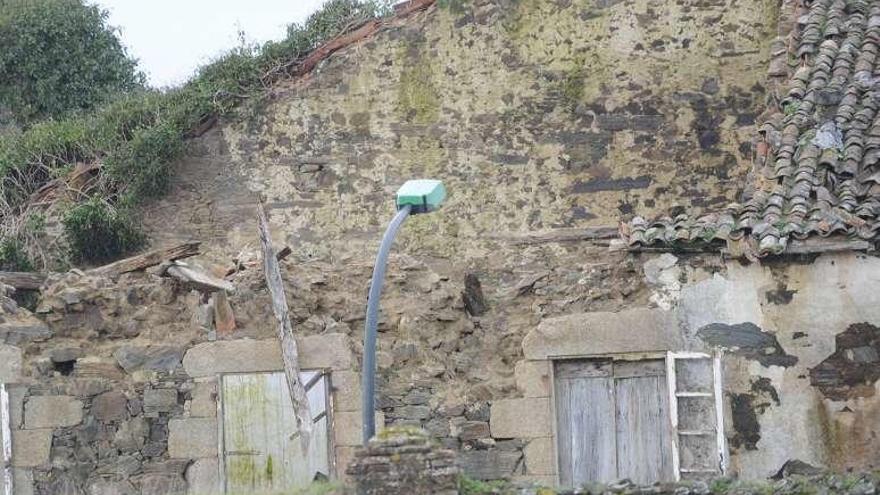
x: 414, y: 197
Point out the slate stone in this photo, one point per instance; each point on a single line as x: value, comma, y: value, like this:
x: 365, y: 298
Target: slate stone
x: 150, y: 358
x: 110, y: 406
x: 160, y: 400
x: 489, y: 464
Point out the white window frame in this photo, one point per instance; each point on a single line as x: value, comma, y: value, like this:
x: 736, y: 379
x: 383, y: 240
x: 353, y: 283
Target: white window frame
x: 6, y: 433
x: 720, y: 440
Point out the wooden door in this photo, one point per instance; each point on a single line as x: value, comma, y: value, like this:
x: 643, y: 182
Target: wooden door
x: 613, y: 421
x: 585, y: 420
x: 261, y: 449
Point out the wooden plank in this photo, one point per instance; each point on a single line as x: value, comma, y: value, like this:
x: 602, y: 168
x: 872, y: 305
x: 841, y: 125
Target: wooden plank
x: 583, y: 368
x: 148, y: 259
x: 23, y: 280
x: 289, y: 352
x: 224, y: 318
x: 199, y: 280
x: 721, y: 440
x: 562, y: 235
x: 642, y: 415
x: 585, y: 415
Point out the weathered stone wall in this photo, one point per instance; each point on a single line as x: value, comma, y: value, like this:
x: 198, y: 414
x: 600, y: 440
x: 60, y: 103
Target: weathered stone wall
x: 800, y: 369
x: 537, y: 114
x: 113, y: 385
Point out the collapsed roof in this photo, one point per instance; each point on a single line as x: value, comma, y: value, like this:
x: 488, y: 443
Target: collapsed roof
x: 815, y: 168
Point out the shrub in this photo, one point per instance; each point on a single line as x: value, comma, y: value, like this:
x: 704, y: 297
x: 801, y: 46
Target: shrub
x: 59, y: 56
x: 96, y: 232
x: 13, y: 257
x: 136, y: 133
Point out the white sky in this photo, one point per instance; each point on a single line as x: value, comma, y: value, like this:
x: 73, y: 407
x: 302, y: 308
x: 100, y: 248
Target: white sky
x: 171, y: 38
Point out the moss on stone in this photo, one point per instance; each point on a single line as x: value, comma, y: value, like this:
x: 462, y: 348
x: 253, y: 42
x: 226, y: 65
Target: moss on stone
x: 418, y: 99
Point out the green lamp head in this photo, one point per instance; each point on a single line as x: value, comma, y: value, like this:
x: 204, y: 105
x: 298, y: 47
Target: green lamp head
x: 422, y: 195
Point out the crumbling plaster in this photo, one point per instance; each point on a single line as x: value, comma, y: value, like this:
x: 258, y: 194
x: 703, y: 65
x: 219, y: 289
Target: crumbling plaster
x: 773, y: 411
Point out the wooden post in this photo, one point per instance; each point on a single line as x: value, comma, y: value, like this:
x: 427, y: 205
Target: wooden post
x: 289, y: 353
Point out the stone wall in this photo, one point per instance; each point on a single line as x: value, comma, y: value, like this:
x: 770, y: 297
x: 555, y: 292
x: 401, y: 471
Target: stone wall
x: 537, y: 115
x: 113, y: 385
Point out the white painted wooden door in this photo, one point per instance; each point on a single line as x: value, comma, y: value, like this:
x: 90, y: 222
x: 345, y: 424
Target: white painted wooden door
x: 261, y: 450
x: 612, y: 421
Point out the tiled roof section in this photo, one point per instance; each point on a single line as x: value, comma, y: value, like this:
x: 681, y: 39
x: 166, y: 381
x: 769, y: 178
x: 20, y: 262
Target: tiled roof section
x: 817, y: 165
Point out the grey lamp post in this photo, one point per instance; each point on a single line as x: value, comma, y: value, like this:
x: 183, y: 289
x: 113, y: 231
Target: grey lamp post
x: 414, y: 197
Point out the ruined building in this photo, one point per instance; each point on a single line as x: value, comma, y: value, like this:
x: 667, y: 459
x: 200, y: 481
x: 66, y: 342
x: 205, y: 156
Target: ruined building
x: 656, y: 261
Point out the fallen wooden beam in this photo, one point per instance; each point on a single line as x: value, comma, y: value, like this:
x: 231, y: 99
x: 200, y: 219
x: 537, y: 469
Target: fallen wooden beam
x: 197, y: 279
x: 148, y: 259
x: 289, y: 352
x: 23, y: 280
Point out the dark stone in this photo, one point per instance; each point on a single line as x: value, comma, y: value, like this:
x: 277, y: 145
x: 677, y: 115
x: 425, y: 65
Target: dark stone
x: 110, y: 406
x: 151, y: 358
x: 473, y: 430
x: 796, y: 467
x: 710, y: 86
x: 708, y: 139
x: 160, y: 400
x: 781, y: 295
x: 474, y: 301
x: 412, y: 412
x: 403, y: 461
x: 747, y: 430
x: 161, y: 484
x: 624, y: 184
x: 854, y: 367
x: 478, y: 411
x: 489, y: 464
x: 747, y: 340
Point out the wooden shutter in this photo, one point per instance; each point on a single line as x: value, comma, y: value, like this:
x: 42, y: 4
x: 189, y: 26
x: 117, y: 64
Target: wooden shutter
x: 612, y: 421
x: 642, y: 413
x: 261, y: 449
x: 696, y: 414
x: 585, y: 420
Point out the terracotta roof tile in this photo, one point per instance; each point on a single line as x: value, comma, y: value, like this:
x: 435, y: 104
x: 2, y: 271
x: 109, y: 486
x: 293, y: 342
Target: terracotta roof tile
x: 817, y: 166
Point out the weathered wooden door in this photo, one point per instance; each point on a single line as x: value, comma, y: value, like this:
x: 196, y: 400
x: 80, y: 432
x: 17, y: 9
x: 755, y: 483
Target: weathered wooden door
x: 613, y: 421
x: 261, y: 450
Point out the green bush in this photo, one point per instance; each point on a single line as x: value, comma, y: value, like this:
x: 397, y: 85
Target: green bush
x: 13, y: 257
x: 59, y: 56
x: 98, y: 233
x: 136, y: 133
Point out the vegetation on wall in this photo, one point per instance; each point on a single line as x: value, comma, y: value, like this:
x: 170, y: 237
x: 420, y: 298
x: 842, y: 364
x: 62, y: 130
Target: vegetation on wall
x: 136, y: 135
x: 59, y: 56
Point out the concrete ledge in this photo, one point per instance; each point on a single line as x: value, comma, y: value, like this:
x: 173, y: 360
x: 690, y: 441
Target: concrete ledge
x: 635, y: 330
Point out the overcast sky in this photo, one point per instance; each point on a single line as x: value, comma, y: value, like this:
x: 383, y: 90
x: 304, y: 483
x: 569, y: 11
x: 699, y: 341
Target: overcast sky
x: 171, y: 38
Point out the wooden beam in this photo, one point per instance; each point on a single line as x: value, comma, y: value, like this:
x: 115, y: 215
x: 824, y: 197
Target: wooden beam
x: 564, y: 235
x: 289, y: 352
x: 199, y: 280
x: 148, y: 259
x: 23, y: 280
x: 826, y: 245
